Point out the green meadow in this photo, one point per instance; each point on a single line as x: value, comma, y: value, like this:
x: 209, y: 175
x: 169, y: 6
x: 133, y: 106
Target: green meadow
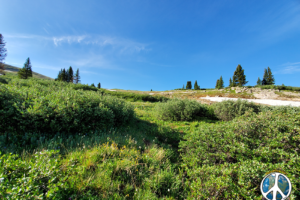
x: 61, y: 140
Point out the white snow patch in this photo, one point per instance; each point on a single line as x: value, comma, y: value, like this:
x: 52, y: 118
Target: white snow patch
x: 271, y: 102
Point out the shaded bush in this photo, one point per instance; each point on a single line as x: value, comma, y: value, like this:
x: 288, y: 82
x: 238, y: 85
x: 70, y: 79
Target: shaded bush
x: 179, y: 110
x: 229, y: 109
x: 3, y: 81
x: 229, y: 160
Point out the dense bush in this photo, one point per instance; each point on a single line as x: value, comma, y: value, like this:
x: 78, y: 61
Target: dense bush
x: 229, y: 160
x: 180, y: 110
x: 52, y: 109
x: 229, y: 109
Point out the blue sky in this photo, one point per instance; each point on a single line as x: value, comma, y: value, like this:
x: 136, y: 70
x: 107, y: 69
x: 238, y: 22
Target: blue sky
x: 158, y: 45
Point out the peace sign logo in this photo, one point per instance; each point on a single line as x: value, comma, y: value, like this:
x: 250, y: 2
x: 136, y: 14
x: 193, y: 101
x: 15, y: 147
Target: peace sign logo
x: 276, y: 186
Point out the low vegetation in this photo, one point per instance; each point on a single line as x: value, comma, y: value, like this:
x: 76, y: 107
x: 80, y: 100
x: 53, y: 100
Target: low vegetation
x: 72, y: 141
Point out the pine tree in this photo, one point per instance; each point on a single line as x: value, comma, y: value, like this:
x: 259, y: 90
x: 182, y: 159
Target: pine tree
x: 99, y: 85
x: 239, y: 79
x: 230, y: 82
x: 258, y: 81
x: 70, y: 75
x: 77, y: 77
x: 270, y: 79
x: 26, y: 71
x: 221, y: 83
x: 64, y: 75
x: 265, y: 78
x: 189, y: 85
x: 183, y: 87
x: 217, y: 84
x: 3, y: 54
x: 92, y: 85
x: 196, y: 86
x: 151, y: 89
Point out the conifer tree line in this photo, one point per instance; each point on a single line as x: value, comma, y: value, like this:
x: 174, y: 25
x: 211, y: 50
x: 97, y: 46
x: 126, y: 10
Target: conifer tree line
x: 3, y: 54
x: 68, y: 76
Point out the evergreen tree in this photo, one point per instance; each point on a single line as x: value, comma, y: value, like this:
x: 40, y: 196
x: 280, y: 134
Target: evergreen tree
x: 70, y: 75
x: 183, y: 87
x: 221, y: 83
x: 264, y: 82
x: 230, y: 82
x: 258, y: 81
x: 77, y: 77
x: 93, y: 85
x: 26, y: 71
x: 64, y: 75
x: 3, y: 54
x: 270, y: 79
x: 217, y: 84
x: 196, y: 86
x: 189, y: 85
x: 99, y: 85
x: 265, y: 78
x: 239, y: 79
x: 151, y: 89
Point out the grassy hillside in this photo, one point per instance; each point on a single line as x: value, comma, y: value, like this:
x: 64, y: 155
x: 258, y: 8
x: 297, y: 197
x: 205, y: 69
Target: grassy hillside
x: 67, y: 141
x: 16, y: 69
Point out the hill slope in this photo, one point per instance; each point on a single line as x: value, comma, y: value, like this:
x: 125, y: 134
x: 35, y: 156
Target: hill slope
x: 14, y: 69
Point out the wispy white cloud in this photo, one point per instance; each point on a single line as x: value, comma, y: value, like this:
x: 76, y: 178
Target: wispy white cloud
x: 70, y: 39
x: 289, y: 68
x: 122, y: 45
x: 93, y: 61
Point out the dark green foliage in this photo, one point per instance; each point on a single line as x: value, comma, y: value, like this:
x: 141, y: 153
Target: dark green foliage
x: 217, y: 84
x: 99, y: 85
x: 239, y: 79
x: 4, y: 81
x: 77, y: 77
x: 220, y: 83
x: 26, y: 71
x: 229, y: 160
x: 180, y: 110
x: 70, y: 75
x: 151, y: 90
x: 189, y: 85
x: 259, y: 82
x: 270, y: 78
x: 3, y: 50
x: 264, y: 82
x: 93, y: 85
x: 228, y: 110
x: 196, y: 86
x: 230, y: 83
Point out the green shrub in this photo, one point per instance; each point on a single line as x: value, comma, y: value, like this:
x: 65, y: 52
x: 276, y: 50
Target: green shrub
x: 179, y: 110
x: 229, y: 160
x: 30, y: 179
x: 3, y: 81
x: 229, y: 109
x: 50, y: 109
